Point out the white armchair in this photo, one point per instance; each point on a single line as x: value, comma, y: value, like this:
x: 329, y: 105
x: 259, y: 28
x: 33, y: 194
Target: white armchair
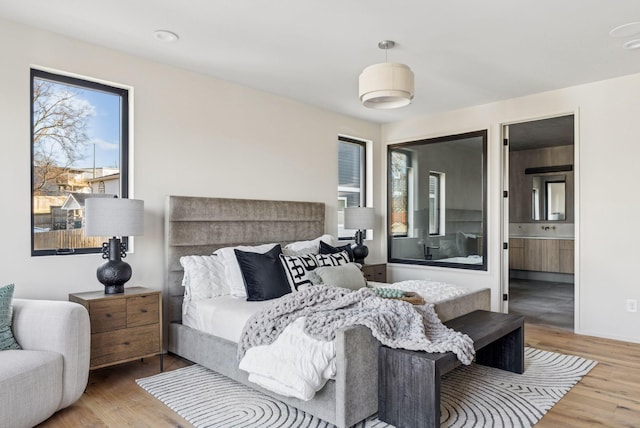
x: 51, y: 370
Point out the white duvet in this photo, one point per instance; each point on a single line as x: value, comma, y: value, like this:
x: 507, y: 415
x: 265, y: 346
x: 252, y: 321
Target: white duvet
x: 282, y: 368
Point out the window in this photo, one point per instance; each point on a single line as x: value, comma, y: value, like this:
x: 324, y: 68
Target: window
x: 351, y: 179
x: 79, y: 149
x: 436, y: 203
x: 401, y: 173
x: 436, y: 209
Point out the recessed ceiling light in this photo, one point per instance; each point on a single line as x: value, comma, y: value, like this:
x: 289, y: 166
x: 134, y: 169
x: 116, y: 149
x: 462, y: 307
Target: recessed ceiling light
x: 626, y: 30
x: 632, y: 44
x: 165, y: 36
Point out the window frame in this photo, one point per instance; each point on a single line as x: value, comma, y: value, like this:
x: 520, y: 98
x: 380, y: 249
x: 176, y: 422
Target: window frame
x: 124, y: 171
x: 363, y: 176
x: 483, y: 134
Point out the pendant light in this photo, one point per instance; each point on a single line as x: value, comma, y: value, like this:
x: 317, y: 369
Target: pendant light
x: 386, y: 85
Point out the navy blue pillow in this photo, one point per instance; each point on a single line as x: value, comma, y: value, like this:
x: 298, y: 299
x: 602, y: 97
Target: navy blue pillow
x: 263, y: 274
x: 330, y: 249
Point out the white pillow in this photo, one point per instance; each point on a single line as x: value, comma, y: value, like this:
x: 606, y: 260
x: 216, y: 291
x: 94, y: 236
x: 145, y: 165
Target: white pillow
x: 298, y: 268
x: 203, y: 277
x: 232, y: 273
x: 335, y: 259
x: 307, y: 247
x: 346, y: 276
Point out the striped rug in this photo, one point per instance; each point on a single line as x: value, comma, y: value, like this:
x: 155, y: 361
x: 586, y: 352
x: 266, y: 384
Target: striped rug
x: 471, y: 396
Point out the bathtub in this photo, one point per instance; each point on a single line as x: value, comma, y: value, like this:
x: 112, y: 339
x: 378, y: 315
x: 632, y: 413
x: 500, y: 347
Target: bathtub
x: 469, y: 260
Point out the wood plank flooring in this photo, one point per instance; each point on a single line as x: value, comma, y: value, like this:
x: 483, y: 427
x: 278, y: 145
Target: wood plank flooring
x: 609, y: 396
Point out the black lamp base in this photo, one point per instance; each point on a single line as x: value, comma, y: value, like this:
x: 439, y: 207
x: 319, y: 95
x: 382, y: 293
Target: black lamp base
x: 113, y: 289
x: 114, y: 273
x: 360, y: 252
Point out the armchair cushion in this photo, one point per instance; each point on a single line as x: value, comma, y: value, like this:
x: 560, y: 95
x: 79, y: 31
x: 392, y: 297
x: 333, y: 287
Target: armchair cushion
x: 58, y: 326
x: 31, y: 386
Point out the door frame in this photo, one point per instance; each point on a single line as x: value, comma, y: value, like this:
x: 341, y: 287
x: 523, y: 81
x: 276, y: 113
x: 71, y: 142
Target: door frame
x: 504, y: 233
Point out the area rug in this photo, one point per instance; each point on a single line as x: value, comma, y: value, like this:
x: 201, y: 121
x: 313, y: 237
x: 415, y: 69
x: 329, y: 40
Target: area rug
x: 471, y: 396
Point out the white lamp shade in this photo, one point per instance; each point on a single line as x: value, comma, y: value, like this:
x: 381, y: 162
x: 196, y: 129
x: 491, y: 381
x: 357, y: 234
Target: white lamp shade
x: 386, y: 85
x: 360, y: 218
x: 114, y: 217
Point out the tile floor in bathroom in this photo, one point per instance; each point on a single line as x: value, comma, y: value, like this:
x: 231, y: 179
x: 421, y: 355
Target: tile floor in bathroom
x: 542, y: 302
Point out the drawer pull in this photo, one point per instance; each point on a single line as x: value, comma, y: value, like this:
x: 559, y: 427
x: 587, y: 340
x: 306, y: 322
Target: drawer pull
x: 144, y: 311
x: 108, y: 315
x: 126, y: 343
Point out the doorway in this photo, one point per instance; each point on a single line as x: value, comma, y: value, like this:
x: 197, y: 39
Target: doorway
x: 539, y: 226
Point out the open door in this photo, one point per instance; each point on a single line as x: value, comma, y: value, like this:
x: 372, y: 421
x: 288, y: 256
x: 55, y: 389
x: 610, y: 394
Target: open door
x: 539, y: 220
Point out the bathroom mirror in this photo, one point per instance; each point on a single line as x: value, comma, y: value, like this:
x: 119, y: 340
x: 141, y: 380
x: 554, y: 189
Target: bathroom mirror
x: 548, y: 198
x: 437, y: 201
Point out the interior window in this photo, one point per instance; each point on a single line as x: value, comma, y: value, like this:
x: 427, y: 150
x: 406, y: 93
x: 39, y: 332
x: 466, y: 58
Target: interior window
x: 351, y: 179
x: 437, y: 201
x: 79, y: 149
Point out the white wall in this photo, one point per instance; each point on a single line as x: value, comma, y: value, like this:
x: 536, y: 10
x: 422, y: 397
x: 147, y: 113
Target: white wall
x: 193, y: 135
x: 608, y: 203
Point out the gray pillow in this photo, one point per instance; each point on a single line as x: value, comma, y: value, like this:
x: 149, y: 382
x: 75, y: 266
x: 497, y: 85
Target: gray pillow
x: 346, y: 276
x: 7, y: 341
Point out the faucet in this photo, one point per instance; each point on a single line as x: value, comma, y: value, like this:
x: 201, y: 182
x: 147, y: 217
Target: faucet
x: 427, y: 253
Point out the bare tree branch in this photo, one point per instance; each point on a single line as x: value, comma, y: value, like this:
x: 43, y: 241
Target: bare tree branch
x: 60, y: 121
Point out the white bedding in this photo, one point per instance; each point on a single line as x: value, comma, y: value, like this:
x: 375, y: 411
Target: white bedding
x: 431, y: 291
x: 222, y: 316
x: 279, y: 368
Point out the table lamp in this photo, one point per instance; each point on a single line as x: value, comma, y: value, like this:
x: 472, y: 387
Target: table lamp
x: 114, y: 217
x: 361, y: 219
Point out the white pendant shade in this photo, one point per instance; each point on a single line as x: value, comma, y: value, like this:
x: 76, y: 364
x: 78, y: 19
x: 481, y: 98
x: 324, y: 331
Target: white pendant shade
x: 386, y: 86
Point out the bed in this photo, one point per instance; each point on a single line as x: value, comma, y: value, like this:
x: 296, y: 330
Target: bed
x: 200, y: 225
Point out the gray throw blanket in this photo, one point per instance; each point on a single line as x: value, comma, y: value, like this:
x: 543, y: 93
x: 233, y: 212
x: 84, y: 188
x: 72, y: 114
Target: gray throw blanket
x: 394, y: 323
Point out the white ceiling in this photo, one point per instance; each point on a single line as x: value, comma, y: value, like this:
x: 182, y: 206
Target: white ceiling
x: 463, y: 52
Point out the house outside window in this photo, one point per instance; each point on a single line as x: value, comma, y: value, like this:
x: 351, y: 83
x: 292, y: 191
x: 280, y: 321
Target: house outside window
x: 351, y: 179
x: 79, y: 149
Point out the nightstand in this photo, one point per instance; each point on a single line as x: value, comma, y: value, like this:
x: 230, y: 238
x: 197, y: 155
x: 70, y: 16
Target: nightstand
x: 376, y: 272
x: 125, y: 326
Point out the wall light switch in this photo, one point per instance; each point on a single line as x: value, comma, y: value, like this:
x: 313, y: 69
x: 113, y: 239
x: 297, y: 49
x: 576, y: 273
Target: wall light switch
x: 632, y: 305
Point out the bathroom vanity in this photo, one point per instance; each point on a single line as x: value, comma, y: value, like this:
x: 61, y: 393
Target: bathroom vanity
x: 541, y: 254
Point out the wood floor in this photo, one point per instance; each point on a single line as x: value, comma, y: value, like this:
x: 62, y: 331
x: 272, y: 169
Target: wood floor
x: 609, y: 396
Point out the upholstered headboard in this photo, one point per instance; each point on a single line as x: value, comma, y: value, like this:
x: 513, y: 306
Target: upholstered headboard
x: 199, y: 226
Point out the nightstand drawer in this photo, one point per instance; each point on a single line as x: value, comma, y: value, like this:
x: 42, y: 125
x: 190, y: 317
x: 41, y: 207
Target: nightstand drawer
x: 121, y: 345
x: 376, y: 272
x: 107, y: 315
x: 142, y: 310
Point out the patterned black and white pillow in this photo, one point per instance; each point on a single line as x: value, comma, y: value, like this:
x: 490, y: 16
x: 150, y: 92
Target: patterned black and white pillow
x: 336, y: 259
x: 297, y: 269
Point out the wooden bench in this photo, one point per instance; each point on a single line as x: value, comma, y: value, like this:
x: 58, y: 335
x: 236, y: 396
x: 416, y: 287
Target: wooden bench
x: 409, y: 381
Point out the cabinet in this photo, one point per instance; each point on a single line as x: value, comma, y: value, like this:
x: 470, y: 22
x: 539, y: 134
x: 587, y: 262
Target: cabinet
x: 566, y: 256
x: 376, y: 272
x: 516, y: 254
x: 124, y: 327
x: 541, y: 255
